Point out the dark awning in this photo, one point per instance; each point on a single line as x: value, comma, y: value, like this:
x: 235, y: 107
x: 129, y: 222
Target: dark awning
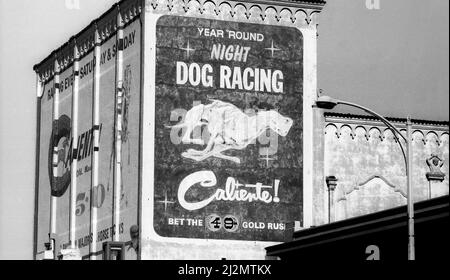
x: 387, y: 230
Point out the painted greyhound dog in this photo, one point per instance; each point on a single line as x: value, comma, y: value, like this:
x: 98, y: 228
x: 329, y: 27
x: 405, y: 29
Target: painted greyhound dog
x: 229, y: 127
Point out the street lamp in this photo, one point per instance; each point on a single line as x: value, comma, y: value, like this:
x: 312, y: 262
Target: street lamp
x: 328, y: 103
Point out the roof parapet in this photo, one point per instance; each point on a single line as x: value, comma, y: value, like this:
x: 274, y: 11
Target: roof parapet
x: 106, y: 26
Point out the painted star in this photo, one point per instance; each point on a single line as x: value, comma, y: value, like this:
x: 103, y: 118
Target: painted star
x: 188, y: 49
x: 267, y: 158
x: 166, y: 202
x: 273, y: 49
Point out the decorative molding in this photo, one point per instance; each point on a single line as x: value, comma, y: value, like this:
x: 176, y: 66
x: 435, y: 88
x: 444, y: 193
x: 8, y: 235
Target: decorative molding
x: 296, y: 13
x: 435, y: 163
x: 377, y: 130
x: 106, y: 26
x: 361, y: 185
x: 289, y: 11
x: 350, y: 118
x: 424, y: 136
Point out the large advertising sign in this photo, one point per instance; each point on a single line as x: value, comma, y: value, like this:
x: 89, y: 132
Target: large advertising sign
x: 44, y: 193
x: 228, y: 147
x: 59, y: 135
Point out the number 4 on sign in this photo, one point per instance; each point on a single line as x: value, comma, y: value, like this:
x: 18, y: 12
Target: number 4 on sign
x: 217, y: 223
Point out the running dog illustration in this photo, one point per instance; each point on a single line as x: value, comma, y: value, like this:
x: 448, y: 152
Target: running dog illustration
x: 229, y: 128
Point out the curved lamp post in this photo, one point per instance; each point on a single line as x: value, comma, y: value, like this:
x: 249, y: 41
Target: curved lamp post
x: 328, y: 103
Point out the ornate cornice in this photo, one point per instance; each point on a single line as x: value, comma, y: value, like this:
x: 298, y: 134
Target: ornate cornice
x: 251, y: 10
x: 351, y: 117
x: 354, y: 125
x: 106, y: 26
x: 295, y: 13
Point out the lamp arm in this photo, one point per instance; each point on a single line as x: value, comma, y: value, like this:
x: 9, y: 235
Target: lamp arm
x: 385, y: 121
x: 332, y: 103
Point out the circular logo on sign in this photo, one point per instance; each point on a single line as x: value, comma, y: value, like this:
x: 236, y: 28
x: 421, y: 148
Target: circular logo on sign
x: 213, y: 223
x: 231, y: 223
x: 61, y: 129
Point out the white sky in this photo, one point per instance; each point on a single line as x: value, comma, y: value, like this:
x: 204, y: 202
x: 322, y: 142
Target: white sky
x: 393, y: 60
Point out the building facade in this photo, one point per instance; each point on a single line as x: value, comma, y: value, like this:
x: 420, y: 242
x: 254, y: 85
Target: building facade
x: 187, y: 129
x: 370, y: 171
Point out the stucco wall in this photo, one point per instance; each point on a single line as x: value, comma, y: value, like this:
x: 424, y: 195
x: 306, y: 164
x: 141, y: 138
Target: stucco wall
x: 368, y: 163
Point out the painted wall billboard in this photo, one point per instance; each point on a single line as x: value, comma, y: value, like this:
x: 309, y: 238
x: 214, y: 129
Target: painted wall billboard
x: 44, y: 190
x: 59, y: 135
x: 229, y: 130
